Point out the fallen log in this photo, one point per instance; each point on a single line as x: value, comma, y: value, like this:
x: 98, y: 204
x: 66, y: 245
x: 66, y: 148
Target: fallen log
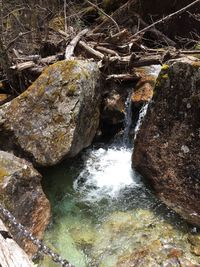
x: 130, y: 61
x: 145, y: 61
x: 23, y: 66
x: 123, y: 77
x: 11, y: 255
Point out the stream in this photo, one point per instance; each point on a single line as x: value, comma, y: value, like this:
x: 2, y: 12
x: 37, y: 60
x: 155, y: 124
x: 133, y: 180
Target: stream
x: 105, y: 216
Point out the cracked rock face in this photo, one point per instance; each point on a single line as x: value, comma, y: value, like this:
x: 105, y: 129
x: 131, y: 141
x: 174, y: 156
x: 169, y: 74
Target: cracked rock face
x: 21, y: 193
x: 57, y: 116
x: 167, y: 148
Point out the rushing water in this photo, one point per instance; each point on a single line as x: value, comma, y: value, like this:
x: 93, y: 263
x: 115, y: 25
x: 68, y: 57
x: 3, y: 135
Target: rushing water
x: 104, y: 215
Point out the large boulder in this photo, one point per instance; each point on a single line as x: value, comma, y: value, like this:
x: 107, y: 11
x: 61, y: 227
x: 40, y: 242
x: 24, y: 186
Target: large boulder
x: 56, y: 116
x: 21, y: 193
x: 167, y: 147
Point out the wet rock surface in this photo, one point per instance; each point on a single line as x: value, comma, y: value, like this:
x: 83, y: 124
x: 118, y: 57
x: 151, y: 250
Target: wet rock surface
x: 22, y: 194
x: 56, y: 116
x: 143, y: 91
x: 167, y: 145
x: 114, y: 108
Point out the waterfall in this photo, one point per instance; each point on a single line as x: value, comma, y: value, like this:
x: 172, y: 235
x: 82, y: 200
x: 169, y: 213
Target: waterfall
x: 108, y: 171
x: 127, y: 122
x: 142, y: 114
x: 102, y: 211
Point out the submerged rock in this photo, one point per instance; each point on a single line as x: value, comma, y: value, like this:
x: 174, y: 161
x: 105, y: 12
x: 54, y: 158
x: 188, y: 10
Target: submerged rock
x: 56, y: 116
x: 167, y: 146
x: 155, y: 255
x: 141, y: 239
x: 21, y: 193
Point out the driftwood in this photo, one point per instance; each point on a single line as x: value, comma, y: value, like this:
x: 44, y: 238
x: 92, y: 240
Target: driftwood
x: 70, y: 48
x: 11, y: 255
x: 129, y: 62
x: 91, y: 51
x: 107, y: 50
x: 123, y: 77
x: 23, y: 66
x: 36, y: 64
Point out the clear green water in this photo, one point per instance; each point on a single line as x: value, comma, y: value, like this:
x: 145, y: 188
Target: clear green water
x: 104, y: 216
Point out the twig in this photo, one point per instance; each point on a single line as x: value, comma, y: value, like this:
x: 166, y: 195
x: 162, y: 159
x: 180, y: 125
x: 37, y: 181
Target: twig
x: 106, y: 50
x: 101, y: 10
x: 166, y: 18
x: 16, y: 38
x: 118, y: 37
x: 65, y: 15
x: 23, y: 66
x: 91, y: 51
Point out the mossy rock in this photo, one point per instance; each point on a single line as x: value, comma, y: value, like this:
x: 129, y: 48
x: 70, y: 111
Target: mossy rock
x: 57, y: 116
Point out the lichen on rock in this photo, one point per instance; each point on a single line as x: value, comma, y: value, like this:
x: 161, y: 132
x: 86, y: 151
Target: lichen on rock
x: 21, y: 193
x: 57, y: 116
x: 167, y: 146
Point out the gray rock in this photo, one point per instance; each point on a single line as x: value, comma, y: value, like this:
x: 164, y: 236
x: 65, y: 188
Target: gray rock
x: 171, y: 162
x: 21, y: 193
x: 57, y: 116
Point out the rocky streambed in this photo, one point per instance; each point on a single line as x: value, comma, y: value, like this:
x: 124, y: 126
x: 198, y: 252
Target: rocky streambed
x: 103, y: 212
x: 105, y: 216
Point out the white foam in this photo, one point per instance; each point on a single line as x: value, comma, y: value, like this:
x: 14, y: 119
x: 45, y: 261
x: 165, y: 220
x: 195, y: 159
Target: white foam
x: 106, y: 173
x: 142, y: 114
x: 155, y: 70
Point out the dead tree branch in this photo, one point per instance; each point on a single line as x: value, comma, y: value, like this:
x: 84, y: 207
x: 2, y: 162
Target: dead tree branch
x: 178, y: 12
x: 70, y: 48
x: 104, y: 13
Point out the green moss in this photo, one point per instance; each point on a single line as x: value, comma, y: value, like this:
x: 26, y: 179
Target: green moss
x: 165, y: 67
x: 4, y: 198
x: 197, y: 46
x: 57, y: 23
x: 3, y: 173
x: 165, y: 76
x: 7, y: 201
x: 71, y: 89
x: 67, y: 72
